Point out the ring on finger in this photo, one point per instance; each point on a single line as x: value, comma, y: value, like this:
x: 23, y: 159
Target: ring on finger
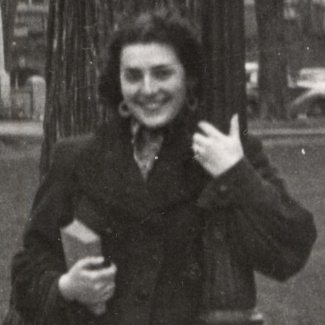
x: 196, y: 151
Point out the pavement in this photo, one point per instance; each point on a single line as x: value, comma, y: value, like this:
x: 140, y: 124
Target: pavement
x: 21, y: 128
x: 269, y: 136
x: 290, y: 136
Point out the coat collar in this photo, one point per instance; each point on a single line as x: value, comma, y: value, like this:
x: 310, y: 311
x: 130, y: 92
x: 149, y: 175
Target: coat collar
x: 110, y: 177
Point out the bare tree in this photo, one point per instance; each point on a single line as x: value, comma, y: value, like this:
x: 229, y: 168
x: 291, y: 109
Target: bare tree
x: 9, y: 9
x: 77, y: 36
x: 272, y: 58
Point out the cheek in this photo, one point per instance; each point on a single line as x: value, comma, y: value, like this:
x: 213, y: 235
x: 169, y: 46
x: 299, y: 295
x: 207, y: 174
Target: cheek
x: 127, y: 90
x: 180, y: 91
x: 180, y: 83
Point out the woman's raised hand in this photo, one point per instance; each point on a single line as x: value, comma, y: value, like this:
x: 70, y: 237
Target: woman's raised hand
x: 216, y: 151
x: 88, y: 282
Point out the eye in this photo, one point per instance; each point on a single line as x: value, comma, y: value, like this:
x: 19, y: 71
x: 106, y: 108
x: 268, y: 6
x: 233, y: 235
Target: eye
x: 162, y: 73
x: 132, y: 75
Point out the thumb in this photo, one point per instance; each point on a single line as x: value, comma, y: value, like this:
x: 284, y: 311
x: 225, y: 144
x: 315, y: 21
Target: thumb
x: 234, y: 126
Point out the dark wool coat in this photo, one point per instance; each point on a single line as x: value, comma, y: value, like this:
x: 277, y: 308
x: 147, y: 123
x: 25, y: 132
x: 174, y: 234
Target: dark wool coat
x: 160, y: 230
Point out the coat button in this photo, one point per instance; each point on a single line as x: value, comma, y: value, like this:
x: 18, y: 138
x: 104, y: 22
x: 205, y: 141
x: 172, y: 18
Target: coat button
x: 142, y: 296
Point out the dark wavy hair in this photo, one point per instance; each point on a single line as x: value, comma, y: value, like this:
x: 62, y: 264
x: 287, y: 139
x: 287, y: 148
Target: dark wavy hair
x: 164, y: 27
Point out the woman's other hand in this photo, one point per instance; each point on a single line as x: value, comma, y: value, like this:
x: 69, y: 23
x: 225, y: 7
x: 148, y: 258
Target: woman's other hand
x: 88, y: 282
x: 215, y: 151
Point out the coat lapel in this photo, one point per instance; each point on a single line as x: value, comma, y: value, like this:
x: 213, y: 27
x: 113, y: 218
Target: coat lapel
x: 110, y: 176
x: 111, y: 179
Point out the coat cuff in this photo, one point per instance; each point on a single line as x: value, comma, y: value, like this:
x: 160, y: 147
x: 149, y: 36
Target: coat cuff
x: 57, y: 309
x: 55, y: 305
x: 221, y: 191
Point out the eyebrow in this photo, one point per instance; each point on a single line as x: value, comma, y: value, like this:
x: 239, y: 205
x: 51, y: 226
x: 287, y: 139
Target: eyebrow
x: 155, y: 67
x: 162, y: 66
x: 132, y: 68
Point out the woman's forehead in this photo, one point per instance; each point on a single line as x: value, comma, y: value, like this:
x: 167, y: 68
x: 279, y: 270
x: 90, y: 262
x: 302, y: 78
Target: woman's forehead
x: 143, y: 55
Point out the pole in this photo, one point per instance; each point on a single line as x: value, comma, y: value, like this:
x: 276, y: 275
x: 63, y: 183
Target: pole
x: 223, y: 40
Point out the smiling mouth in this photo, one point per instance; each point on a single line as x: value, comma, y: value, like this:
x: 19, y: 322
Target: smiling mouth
x: 152, y: 106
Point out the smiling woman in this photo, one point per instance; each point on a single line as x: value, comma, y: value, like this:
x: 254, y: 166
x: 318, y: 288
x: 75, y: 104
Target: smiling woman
x: 153, y: 83
x: 157, y: 183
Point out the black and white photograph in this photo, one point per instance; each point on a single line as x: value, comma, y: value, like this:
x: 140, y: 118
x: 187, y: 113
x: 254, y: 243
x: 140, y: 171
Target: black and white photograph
x: 162, y: 162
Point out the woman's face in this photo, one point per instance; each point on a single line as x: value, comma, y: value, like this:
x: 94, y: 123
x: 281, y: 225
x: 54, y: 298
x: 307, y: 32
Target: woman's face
x: 153, y: 83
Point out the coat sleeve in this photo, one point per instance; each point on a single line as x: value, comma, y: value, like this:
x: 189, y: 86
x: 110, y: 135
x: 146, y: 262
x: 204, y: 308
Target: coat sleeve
x: 265, y: 227
x: 37, y: 268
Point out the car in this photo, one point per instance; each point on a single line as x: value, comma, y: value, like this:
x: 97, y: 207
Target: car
x: 311, y: 78
x: 311, y: 103
x: 306, y: 92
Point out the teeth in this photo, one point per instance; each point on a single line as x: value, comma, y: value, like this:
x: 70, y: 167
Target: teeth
x: 152, y: 106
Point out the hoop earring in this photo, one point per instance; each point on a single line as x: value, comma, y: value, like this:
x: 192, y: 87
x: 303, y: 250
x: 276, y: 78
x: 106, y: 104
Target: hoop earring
x: 192, y: 103
x: 123, y: 110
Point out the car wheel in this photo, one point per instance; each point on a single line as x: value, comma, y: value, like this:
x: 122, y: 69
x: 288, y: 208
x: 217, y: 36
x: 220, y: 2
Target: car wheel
x: 317, y: 109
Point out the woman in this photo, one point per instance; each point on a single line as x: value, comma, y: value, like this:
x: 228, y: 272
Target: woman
x: 155, y: 177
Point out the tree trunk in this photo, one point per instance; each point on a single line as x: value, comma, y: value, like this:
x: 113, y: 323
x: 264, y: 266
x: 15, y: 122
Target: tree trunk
x: 225, y: 94
x: 224, y: 43
x: 272, y: 59
x: 9, y: 9
x: 77, y: 37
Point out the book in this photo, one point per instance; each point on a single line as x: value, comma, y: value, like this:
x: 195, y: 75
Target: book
x: 79, y: 241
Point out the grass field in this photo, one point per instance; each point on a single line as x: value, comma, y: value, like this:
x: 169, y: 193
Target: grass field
x: 300, y: 301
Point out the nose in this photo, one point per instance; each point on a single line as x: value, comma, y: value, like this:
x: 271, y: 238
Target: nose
x: 149, y: 86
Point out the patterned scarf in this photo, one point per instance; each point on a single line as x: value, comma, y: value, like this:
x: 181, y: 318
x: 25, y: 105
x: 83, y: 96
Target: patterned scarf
x: 146, y: 146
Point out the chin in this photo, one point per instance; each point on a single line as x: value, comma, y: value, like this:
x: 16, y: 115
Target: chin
x: 156, y: 123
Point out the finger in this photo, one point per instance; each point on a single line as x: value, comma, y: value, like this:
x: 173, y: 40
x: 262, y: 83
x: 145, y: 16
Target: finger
x: 109, y: 289
x: 198, y: 153
x: 234, y: 126
x: 200, y: 139
x: 197, y: 150
x: 106, y: 274
x: 104, y: 288
x: 90, y: 262
x: 199, y: 157
x: 209, y: 130
x: 108, y: 292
